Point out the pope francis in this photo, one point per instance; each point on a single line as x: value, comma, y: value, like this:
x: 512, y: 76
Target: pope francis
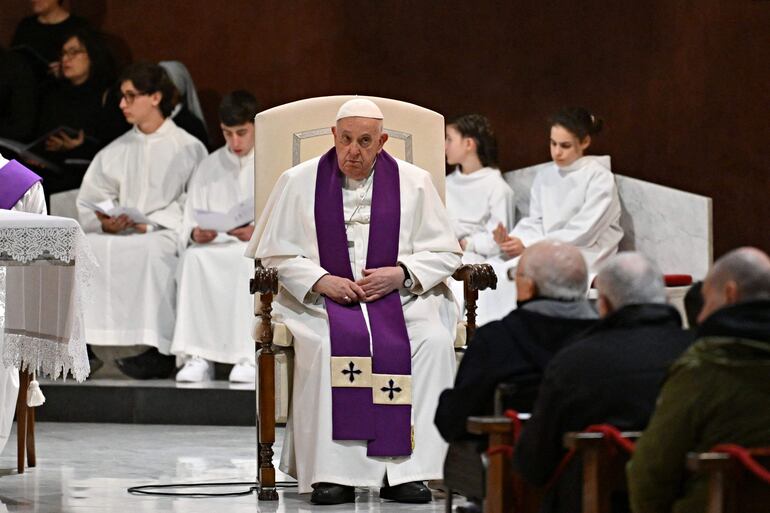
x: 363, y: 247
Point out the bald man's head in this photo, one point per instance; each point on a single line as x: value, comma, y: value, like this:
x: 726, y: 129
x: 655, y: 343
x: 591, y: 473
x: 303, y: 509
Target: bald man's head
x: 629, y: 278
x: 552, y: 270
x: 741, y: 275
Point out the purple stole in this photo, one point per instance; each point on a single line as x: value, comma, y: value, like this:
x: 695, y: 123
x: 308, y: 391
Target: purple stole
x: 371, y: 390
x: 15, y: 181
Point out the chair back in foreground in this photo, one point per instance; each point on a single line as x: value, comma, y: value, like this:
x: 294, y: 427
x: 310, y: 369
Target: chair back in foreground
x: 604, y: 468
x: 732, y: 488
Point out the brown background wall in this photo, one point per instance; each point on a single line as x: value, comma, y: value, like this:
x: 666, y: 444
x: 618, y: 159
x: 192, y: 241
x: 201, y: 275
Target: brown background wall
x: 684, y: 87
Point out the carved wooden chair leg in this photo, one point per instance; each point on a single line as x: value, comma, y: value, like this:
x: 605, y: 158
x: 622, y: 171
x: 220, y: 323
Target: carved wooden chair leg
x: 21, y: 419
x: 265, y: 282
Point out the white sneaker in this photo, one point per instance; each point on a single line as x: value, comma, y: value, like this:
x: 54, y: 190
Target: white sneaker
x: 195, y: 370
x: 243, y: 373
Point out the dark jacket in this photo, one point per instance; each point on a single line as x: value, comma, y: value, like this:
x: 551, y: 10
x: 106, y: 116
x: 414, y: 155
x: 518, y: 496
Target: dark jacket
x: 75, y: 106
x: 43, y: 41
x: 718, y: 392
x: 511, y: 350
x: 612, y: 375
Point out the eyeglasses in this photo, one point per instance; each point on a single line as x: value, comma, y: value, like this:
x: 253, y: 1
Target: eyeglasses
x: 130, y: 96
x: 72, y: 52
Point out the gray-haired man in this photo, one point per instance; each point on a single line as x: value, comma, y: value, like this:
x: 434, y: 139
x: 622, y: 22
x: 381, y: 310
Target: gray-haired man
x: 612, y: 375
x: 551, y: 285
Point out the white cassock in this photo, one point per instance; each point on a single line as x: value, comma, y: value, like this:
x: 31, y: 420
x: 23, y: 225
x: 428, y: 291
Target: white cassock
x: 215, y: 310
x: 476, y: 203
x: 430, y: 251
x: 577, y: 204
x: 134, y: 287
x: 33, y: 201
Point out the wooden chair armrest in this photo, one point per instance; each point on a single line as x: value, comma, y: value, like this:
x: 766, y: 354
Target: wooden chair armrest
x: 707, y: 461
x: 579, y: 440
x: 265, y: 280
x: 476, y: 276
x: 710, y: 461
x: 488, y: 425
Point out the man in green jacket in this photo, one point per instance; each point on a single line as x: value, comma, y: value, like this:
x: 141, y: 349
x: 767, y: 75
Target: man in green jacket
x: 717, y: 392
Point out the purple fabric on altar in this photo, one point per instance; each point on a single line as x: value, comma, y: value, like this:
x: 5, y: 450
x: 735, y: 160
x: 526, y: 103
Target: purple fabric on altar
x: 15, y: 181
x: 354, y: 415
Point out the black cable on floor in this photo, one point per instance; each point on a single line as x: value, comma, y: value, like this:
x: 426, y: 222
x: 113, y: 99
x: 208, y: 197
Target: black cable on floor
x: 145, y: 489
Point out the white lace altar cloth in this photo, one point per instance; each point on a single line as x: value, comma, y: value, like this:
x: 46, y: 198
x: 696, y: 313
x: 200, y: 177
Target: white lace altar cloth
x: 46, y: 266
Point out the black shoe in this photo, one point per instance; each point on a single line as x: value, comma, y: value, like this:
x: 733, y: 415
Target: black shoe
x: 415, y: 492
x: 330, y: 493
x: 148, y: 365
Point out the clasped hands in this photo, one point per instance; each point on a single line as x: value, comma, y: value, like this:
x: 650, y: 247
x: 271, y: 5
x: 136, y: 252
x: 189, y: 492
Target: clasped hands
x: 119, y: 223
x: 511, y: 246
x: 375, y: 284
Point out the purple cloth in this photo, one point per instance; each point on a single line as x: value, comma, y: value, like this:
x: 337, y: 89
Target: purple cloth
x: 15, y: 181
x: 354, y: 414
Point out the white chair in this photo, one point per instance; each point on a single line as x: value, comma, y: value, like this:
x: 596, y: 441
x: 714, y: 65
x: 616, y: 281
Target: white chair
x: 286, y: 136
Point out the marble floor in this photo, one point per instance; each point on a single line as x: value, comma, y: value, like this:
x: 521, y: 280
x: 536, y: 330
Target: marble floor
x: 88, y: 467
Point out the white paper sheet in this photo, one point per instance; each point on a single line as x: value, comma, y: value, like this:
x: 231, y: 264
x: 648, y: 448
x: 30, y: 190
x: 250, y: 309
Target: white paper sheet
x: 108, y: 207
x: 239, y: 215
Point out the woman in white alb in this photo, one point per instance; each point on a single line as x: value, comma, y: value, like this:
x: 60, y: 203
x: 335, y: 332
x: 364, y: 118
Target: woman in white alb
x: 477, y: 197
x: 575, y: 201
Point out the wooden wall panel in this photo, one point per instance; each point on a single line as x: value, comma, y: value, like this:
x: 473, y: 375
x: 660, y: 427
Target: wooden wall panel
x: 684, y: 87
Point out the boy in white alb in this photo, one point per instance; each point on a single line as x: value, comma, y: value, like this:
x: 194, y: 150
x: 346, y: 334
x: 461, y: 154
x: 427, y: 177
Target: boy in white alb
x: 214, y: 307
x: 146, y: 169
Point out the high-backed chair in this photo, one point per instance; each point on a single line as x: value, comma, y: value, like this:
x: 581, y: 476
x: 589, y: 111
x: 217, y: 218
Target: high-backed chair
x: 286, y: 136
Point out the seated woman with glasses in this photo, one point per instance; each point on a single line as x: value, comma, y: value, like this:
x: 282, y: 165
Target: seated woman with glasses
x: 70, y: 110
x: 145, y: 172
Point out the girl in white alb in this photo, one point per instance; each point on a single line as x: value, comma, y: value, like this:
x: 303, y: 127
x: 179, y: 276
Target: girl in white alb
x: 477, y: 197
x: 575, y: 201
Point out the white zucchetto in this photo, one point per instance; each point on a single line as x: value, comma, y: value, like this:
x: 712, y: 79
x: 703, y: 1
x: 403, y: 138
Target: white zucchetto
x: 360, y: 108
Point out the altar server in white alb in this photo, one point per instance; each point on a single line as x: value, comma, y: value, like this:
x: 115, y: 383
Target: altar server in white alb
x: 363, y: 247
x: 214, y: 307
x: 478, y: 199
x: 20, y: 190
x: 576, y: 200
x: 147, y: 169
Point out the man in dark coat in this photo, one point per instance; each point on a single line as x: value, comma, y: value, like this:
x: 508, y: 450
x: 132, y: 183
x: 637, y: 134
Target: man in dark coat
x: 717, y: 393
x: 612, y: 375
x: 551, y: 283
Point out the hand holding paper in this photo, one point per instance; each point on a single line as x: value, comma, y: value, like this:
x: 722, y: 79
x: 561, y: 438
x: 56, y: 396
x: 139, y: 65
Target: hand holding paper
x: 108, y: 208
x: 240, y: 215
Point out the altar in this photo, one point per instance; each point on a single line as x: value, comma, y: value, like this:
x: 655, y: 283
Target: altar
x: 45, y: 270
